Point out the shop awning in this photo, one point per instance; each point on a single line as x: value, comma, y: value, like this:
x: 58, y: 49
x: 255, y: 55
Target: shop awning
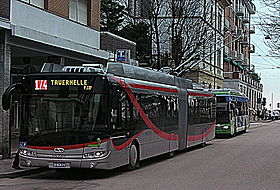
x: 235, y: 63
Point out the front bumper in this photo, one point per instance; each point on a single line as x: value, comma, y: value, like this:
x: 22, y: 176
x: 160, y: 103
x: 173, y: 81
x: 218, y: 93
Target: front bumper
x: 223, y: 131
x: 65, y: 163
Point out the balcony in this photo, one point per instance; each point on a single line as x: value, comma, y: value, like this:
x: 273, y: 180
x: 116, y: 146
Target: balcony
x: 252, y: 48
x: 234, y: 31
x: 240, y: 34
x: 250, y: 6
x: 246, y: 62
x: 232, y: 75
x: 246, y: 19
x: 252, y: 29
x: 227, y: 51
x: 227, y: 25
x: 239, y: 10
x: 245, y: 41
x: 240, y: 57
x: 225, y: 3
x: 235, y: 54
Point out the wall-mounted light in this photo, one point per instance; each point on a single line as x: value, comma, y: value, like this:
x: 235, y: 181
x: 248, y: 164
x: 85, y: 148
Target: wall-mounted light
x: 267, y: 37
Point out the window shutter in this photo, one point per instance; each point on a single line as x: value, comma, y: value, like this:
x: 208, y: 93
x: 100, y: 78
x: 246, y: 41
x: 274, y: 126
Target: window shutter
x: 73, y: 10
x: 82, y: 11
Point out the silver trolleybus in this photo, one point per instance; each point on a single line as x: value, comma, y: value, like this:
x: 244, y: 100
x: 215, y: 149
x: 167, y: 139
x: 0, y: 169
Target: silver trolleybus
x: 83, y: 117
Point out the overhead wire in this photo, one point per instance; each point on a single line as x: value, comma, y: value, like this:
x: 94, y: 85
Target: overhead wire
x: 261, y: 29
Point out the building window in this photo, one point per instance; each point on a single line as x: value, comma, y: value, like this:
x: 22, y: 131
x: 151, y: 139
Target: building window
x: 78, y: 11
x: 37, y: 3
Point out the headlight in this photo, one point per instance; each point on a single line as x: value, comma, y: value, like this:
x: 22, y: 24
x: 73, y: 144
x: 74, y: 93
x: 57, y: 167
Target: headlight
x: 225, y: 127
x: 96, y: 154
x: 25, y: 152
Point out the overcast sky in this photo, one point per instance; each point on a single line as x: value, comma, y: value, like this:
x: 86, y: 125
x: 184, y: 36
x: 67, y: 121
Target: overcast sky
x: 265, y: 65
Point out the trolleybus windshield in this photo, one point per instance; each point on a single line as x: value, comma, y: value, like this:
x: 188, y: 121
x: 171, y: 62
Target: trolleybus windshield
x: 64, y: 119
x: 222, y: 114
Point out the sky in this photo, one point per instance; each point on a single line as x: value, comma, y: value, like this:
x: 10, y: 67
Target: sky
x: 265, y: 65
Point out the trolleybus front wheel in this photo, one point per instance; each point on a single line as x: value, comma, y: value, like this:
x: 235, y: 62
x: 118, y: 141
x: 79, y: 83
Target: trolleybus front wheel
x: 133, y: 157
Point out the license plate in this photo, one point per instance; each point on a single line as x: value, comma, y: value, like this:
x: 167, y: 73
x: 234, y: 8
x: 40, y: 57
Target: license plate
x: 59, y: 165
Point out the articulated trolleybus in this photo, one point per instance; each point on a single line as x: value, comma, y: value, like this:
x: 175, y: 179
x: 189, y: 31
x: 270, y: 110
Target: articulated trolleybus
x: 84, y: 117
x: 232, y: 112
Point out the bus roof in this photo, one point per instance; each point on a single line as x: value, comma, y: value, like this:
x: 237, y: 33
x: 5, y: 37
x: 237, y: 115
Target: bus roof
x: 130, y: 71
x: 231, y: 95
x: 227, y: 92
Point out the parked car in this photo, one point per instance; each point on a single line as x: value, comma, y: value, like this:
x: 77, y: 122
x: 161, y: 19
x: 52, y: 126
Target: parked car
x: 269, y: 115
x: 276, y: 114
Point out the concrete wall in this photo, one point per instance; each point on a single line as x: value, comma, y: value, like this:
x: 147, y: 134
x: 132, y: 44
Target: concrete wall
x: 5, y: 64
x: 35, y: 24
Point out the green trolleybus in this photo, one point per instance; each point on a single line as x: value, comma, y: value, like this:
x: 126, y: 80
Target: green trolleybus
x: 232, y: 113
x: 88, y: 117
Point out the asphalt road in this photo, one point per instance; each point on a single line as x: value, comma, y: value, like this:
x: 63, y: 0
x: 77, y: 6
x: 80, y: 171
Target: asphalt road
x: 249, y: 161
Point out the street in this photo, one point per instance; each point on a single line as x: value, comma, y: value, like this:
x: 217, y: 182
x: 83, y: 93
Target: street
x: 249, y: 161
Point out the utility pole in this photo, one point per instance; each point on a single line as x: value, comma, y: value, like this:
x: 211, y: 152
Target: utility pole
x: 272, y: 101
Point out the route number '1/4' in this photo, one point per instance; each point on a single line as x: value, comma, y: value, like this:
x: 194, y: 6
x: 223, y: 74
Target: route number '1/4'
x: 41, y: 84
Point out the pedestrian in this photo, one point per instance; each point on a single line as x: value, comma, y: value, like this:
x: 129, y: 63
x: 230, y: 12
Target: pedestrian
x: 16, y: 162
x: 259, y: 113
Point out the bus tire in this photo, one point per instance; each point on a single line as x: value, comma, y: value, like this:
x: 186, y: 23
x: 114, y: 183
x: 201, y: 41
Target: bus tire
x: 170, y: 154
x: 203, y: 144
x: 234, y: 132
x: 133, y: 157
x: 246, y: 129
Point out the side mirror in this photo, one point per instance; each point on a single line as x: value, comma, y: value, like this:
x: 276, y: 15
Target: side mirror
x: 7, y: 95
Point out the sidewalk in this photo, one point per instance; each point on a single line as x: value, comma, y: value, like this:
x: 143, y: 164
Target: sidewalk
x: 261, y: 121
x: 6, y: 170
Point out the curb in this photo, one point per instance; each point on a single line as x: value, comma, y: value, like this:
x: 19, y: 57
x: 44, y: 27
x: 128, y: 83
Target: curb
x: 21, y: 173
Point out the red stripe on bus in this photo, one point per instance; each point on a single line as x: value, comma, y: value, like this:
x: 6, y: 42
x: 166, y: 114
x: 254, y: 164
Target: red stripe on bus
x: 199, y: 137
x: 124, y: 145
x: 199, y: 94
x: 66, y: 147
x: 143, y: 115
x: 142, y: 86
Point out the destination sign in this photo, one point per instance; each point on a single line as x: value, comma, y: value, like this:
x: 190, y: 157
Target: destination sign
x: 65, y: 84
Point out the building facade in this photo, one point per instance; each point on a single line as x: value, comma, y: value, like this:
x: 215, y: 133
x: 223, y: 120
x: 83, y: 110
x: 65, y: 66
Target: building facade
x: 239, y: 72
x: 208, y: 71
x: 33, y: 32
x: 226, y: 62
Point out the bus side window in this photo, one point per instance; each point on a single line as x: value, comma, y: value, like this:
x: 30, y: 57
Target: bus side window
x: 125, y: 113
x: 116, y: 111
x: 120, y: 113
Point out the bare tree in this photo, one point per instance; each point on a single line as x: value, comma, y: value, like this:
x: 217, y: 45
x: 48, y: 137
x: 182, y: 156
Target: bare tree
x: 270, y: 24
x: 181, y: 31
x: 191, y: 33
